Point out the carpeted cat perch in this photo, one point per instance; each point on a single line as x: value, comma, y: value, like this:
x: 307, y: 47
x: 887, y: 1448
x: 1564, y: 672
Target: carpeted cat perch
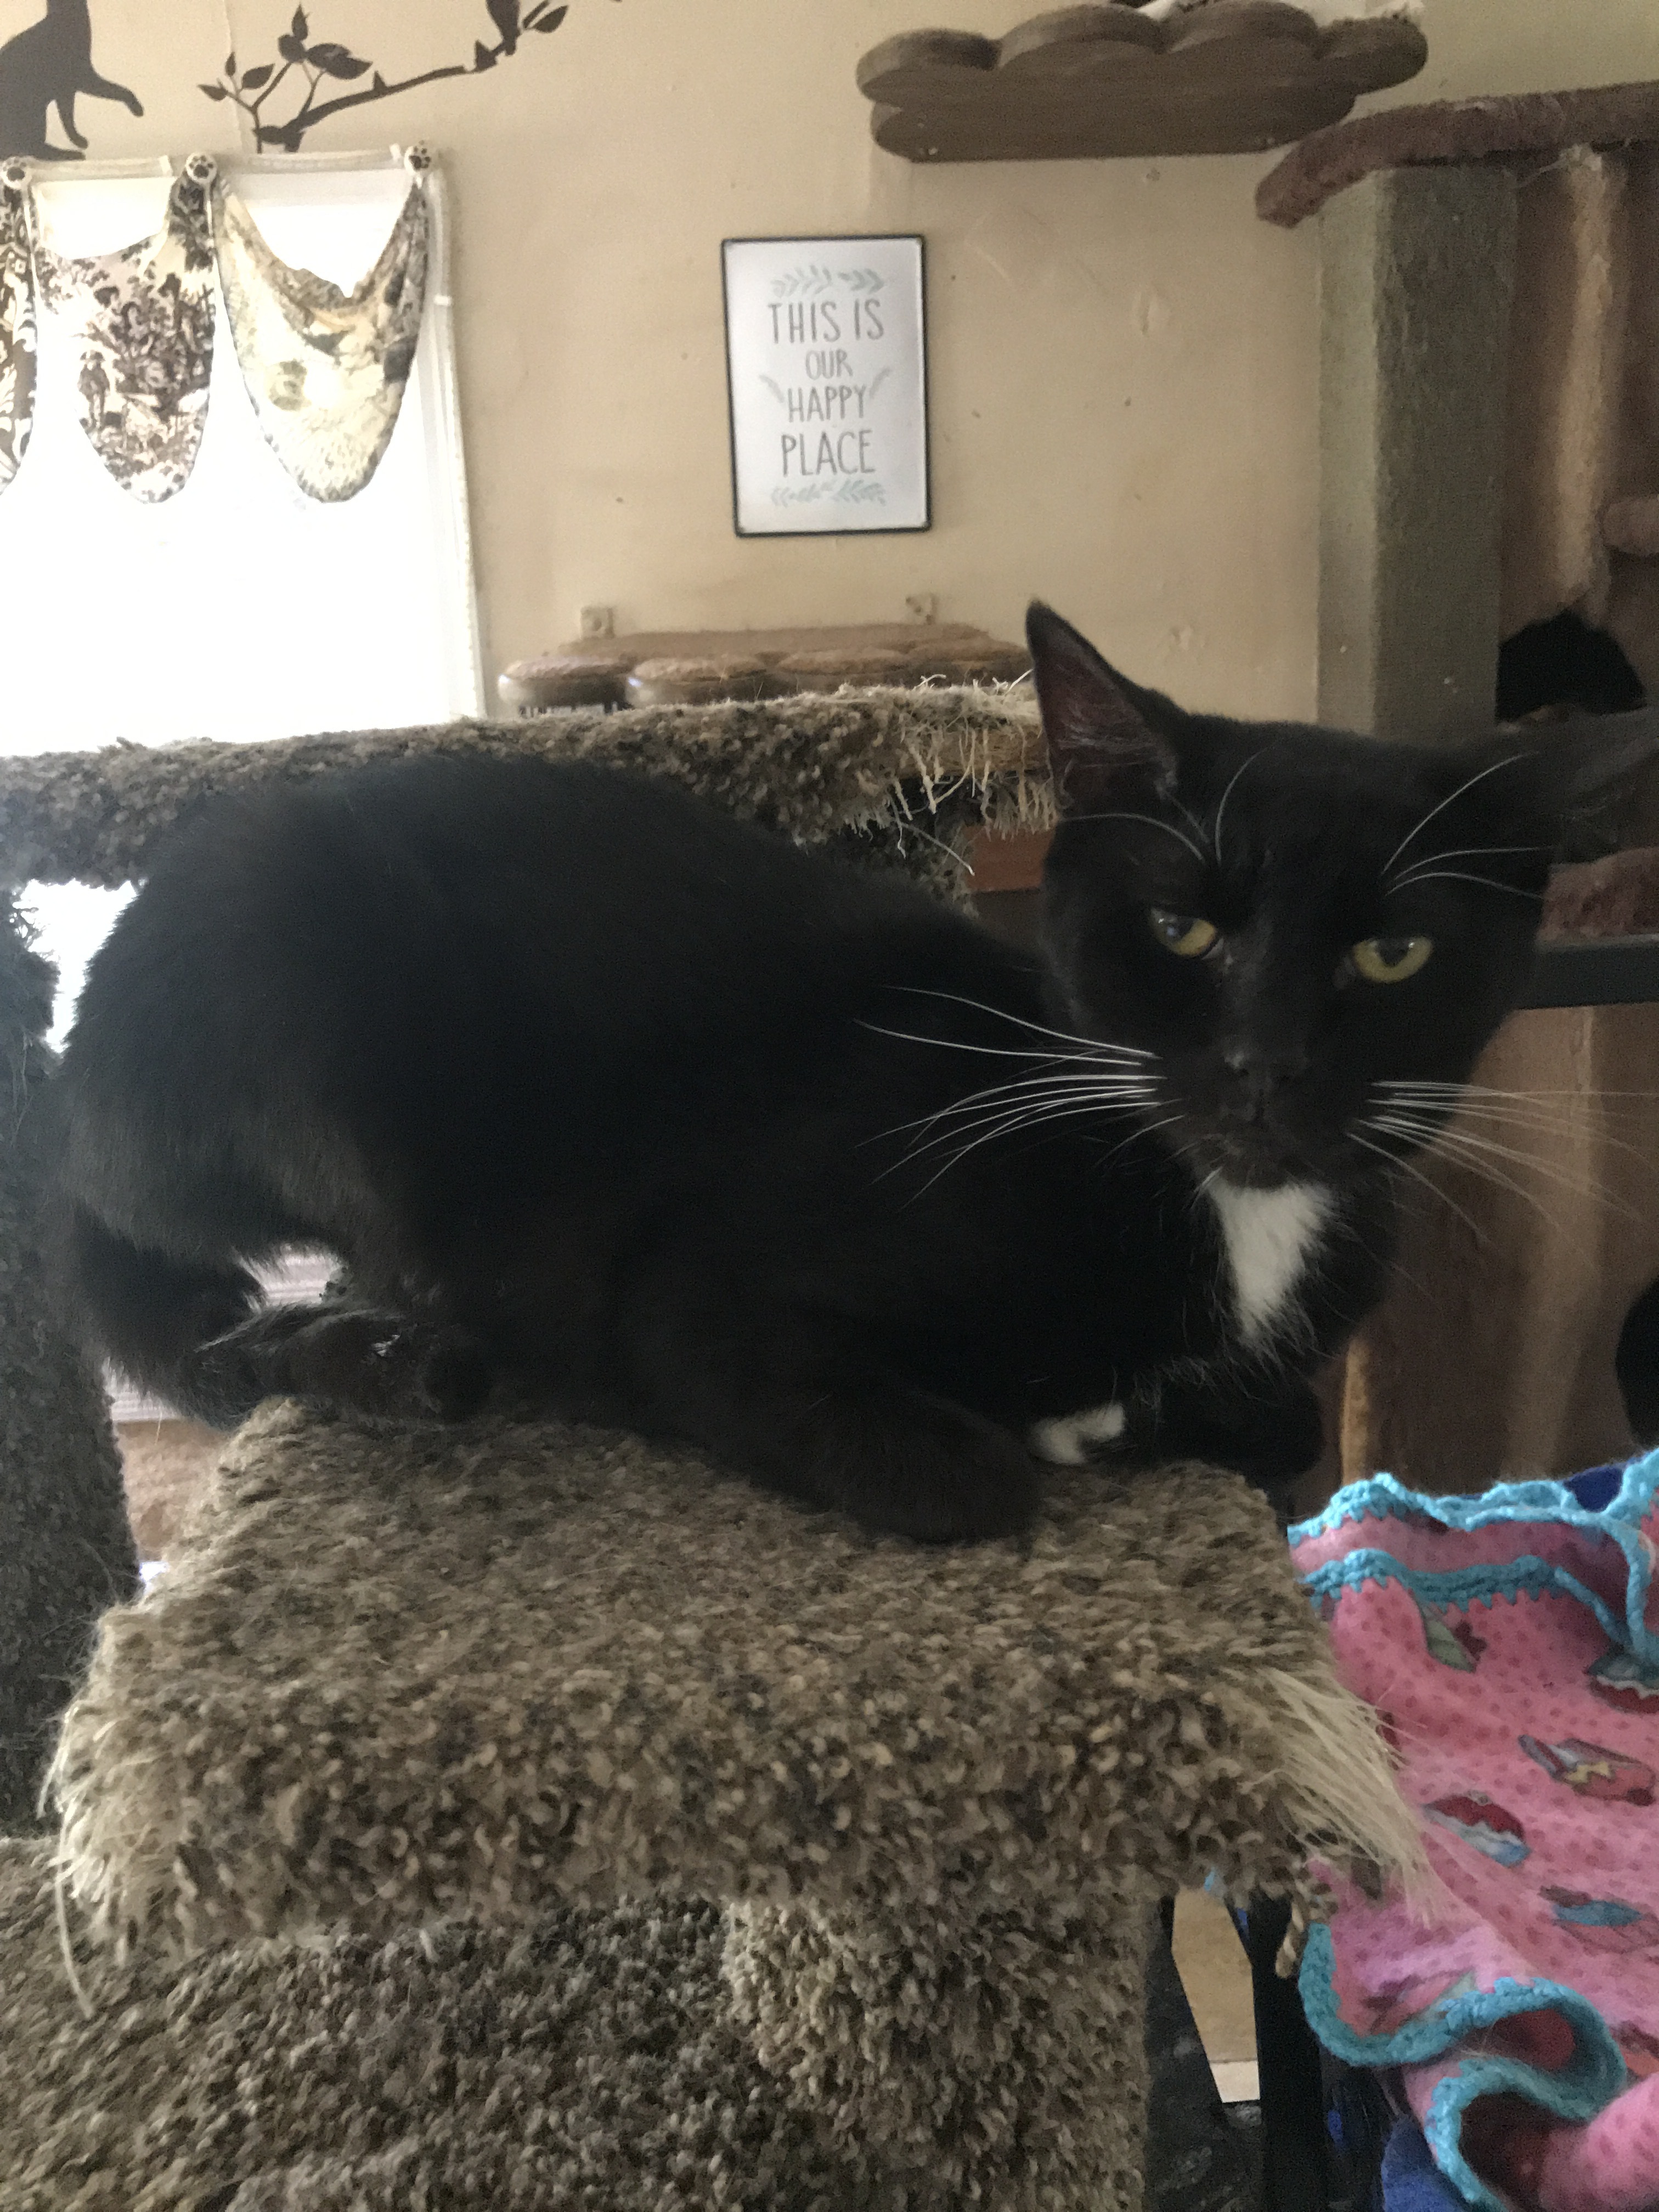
x: 527, y: 1815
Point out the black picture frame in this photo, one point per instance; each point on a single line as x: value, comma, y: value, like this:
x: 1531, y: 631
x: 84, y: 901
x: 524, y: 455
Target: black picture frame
x: 860, y: 529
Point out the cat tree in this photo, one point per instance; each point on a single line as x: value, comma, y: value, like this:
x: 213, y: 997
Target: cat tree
x: 1488, y: 431
x: 1489, y: 436
x: 529, y: 1813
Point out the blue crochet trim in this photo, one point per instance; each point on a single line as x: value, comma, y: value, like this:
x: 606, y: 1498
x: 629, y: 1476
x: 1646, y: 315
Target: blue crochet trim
x: 1607, y: 1502
x: 1592, y: 2078
x: 1463, y: 1588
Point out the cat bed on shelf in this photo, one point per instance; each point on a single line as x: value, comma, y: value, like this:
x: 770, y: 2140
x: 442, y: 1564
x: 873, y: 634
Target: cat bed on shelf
x: 699, y: 667
x: 561, y: 1682
x: 1178, y: 76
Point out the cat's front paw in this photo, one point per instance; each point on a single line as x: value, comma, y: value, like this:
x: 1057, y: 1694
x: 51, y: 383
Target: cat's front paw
x: 961, y: 1480
x: 455, y: 1374
x: 1074, y: 1439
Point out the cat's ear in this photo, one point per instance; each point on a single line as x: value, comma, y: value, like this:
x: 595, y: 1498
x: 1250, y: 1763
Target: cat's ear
x: 1104, y: 734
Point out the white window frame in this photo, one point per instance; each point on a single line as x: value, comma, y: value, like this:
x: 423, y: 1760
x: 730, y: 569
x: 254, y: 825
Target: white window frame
x: 74, y: 919
x: 435, y: 359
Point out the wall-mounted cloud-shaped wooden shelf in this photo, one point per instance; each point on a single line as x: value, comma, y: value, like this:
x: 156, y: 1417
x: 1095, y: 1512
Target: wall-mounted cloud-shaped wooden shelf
x: 1231, y: 76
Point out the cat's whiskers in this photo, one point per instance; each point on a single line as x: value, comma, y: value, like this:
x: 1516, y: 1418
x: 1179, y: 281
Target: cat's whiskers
x: 1105, y: 1055
x: 1009, y: 1127
x: 1567, y: 1104
x: 1487, y: 1091
x: 1476, y: 1151
x: 1516, y: 1112
x: 1536, y: 1137
x: 953, y: 1121
x: 1059, y: 1084
x: 1152, y: 823
x: 1415, y: 873
x: 1419, y: 827
x: 1483, y: 1170
x: 1462, y: 876
x: 909, y: 828
x: 1144, y: 1129
x: 1070, y: 1038
x: 1476, y: 1154
x: 1186, y: 814
x: 1417, y: 1174
x: 1521, y: 1112
x: 1215, y: 834
x: 1013, y: 1117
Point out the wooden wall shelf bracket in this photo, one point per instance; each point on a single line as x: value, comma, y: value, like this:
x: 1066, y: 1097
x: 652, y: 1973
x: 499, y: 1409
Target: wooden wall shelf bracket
x: 1230, y: 76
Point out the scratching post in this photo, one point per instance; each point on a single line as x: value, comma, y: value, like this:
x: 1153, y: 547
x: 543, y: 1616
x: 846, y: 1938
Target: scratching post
x: 1489, y: 431
x: 1489, y: 320
x: 1002, y: 2051
x: 1416, y: 268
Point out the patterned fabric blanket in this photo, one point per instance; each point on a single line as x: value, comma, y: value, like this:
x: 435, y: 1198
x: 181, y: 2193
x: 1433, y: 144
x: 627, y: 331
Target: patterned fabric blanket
x: 1509, y: 1644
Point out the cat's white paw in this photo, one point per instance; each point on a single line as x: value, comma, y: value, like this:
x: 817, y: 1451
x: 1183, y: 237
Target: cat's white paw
x: 1065, y: 1442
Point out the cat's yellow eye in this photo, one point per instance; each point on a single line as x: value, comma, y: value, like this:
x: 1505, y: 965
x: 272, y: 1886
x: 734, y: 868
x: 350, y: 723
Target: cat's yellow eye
x: 1390, y: 960
x: 1187, y: 934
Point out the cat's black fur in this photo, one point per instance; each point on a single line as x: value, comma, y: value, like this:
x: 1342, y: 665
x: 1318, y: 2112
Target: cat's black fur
x: 616, y: 1106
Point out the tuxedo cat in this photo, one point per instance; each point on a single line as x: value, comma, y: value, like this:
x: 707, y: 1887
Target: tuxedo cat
x: 617, y: 1107
x: 47, y: 65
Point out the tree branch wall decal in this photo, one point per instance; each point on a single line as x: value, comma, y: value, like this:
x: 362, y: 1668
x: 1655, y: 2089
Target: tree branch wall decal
x: 302, y: 61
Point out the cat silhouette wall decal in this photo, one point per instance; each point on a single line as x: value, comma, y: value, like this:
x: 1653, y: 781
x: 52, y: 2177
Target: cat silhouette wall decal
x: 46, y: 66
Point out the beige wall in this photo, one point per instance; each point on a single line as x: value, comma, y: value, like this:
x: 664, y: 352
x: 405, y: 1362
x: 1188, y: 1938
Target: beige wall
x: 1123, y: 359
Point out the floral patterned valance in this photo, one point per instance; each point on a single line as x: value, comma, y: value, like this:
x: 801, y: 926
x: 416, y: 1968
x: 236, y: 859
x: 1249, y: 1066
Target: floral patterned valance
x: 326, y: 369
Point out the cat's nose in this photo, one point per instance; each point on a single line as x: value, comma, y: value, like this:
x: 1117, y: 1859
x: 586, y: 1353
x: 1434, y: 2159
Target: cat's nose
x: 1261, y: 1069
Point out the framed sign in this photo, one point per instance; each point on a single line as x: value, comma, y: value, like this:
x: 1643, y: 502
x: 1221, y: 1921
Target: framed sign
x: 826, y: 365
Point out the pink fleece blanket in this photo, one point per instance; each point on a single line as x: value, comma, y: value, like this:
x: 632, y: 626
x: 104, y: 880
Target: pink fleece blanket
x: 1509, y: 1645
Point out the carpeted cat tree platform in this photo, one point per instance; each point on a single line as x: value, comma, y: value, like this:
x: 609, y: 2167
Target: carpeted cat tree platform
x: 525, y: 1816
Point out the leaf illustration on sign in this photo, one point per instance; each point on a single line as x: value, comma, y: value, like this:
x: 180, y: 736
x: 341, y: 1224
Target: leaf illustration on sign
x: 850, y: 491
x: 308, y: 66
x: 796, y: 283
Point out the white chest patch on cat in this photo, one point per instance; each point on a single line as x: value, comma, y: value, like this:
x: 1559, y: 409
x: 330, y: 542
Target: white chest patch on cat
x: 1065, y: 1441
x: 1269, y: 1235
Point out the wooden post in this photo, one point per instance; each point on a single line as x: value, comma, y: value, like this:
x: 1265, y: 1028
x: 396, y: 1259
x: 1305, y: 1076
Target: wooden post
x: 1417, y: 273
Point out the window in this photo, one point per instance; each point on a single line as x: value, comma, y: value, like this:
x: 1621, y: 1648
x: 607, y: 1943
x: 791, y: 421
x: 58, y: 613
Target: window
x: 239, y: 609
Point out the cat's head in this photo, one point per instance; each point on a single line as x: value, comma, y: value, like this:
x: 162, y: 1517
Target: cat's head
x: 1313, y: 932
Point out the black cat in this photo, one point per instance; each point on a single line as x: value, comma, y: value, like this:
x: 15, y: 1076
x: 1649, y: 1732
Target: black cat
x: 617, y: 1107
x: 46, y: 66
